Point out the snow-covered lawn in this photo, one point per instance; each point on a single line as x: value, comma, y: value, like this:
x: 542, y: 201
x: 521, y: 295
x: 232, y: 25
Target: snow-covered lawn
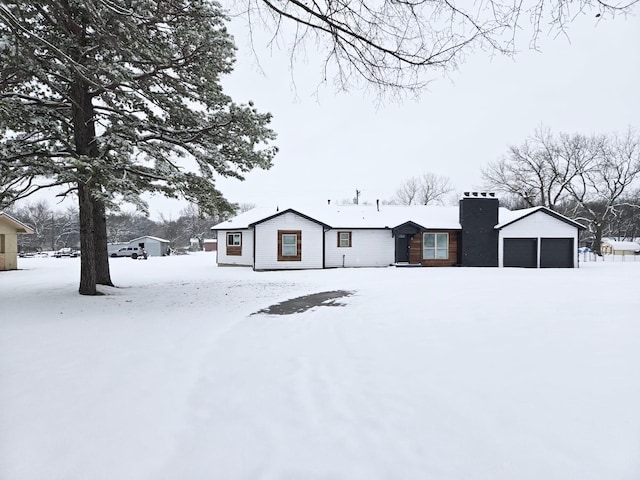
x: 425, y: 373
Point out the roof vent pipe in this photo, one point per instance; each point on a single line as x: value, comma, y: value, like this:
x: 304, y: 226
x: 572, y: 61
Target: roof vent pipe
x: 329, y: 202
x: 378, y: 204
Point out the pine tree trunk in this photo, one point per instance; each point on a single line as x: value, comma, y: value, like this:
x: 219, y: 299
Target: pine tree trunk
x: 103, y: 275
x: 87, y: 244
x: 84, y: 133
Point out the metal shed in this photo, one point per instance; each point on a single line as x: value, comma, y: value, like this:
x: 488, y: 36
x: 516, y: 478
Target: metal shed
x: 155, y: 247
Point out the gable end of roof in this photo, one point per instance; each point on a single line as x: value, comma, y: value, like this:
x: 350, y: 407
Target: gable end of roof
x: 288, y: 210
x: 549, y: 212
x: 17, y: 224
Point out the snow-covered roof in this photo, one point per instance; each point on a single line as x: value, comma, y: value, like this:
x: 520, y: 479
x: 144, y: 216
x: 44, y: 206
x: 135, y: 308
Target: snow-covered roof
x: 157, y: 239
x: 356, y: 216
x: 15, y: 223
x: 387, y: 216
x: 507, y: 217
x: 622, y: 245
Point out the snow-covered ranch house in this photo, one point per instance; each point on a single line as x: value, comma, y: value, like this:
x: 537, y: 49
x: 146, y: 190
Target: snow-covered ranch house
x: 476, y: 233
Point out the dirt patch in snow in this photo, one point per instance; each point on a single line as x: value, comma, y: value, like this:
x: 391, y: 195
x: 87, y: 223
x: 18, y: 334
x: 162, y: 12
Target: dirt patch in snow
x: 304, y: 303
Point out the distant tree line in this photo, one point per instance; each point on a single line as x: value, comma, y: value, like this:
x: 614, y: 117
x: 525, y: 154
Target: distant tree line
x: 594, y: 179
x: 55, y: 229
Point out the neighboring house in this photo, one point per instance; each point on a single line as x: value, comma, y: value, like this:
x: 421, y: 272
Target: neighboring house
x: 619, y: 247
x: 476, y: 233
x: 9, y: 230
x: 155, y: 247
x: 210, y: 244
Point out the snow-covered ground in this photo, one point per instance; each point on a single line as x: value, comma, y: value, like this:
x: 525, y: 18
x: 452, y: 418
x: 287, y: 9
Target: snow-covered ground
x: 425, y: 373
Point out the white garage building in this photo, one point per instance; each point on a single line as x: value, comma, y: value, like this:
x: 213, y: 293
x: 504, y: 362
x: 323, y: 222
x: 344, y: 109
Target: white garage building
x: 537, y: 238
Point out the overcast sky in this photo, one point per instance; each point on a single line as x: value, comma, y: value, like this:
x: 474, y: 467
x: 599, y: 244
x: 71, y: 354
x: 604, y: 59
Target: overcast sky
x: 334, y: 143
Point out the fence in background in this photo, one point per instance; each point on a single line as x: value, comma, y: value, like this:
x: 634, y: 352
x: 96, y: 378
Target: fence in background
x: 592, y: 257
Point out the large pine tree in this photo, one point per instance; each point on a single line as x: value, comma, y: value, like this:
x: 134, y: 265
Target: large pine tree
x: 114, y: 99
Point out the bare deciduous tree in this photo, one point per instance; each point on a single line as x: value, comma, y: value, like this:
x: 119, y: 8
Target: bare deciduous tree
x: 599, y: 195
x: 586, y: 177
x: 541, y: 170
x: 427, y: 189
x: 396, y: 45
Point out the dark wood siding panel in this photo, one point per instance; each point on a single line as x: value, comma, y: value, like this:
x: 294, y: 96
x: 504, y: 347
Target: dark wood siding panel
x: 298, y: 257
x: 415, y: 249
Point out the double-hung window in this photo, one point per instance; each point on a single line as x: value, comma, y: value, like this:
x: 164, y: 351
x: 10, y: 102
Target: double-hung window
x: 289, y: 245
x: 344, y: 239
x: 435, y: 246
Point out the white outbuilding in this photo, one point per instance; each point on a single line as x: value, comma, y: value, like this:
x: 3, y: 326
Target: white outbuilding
x: 155, y: 247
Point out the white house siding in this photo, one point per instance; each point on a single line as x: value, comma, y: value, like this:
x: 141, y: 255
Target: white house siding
x: 9, y: 251
x: 538, y: 225
x: 246, y: 258
x: 266, y: 234
x: 369, y: 248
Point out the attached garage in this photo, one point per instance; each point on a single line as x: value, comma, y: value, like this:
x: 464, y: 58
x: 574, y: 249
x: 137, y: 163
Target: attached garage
x: 538, y: 238
x: 521, y: 252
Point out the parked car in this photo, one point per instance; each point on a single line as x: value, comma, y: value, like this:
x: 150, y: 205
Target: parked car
x: 133, y: 252
x: 66, y: 252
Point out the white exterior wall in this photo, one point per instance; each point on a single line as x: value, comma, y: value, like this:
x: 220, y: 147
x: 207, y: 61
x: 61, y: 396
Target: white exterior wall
x: 369, y: 248
x: 9, y: 257
x: 246, y: 258
x: 538, y: 225
x: 266, y: 235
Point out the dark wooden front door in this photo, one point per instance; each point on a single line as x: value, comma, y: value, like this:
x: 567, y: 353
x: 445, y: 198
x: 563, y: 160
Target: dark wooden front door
x: 402, y: 247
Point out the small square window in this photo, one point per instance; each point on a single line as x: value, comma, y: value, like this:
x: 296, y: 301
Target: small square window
x: 344, y: 239
x: 234, y: 239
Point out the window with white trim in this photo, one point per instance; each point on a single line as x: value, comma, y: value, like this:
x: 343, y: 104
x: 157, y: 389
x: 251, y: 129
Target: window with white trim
x: 344, y: 239
x: 234, y: 239
x: 435, y: 246
x: 289, y: 245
